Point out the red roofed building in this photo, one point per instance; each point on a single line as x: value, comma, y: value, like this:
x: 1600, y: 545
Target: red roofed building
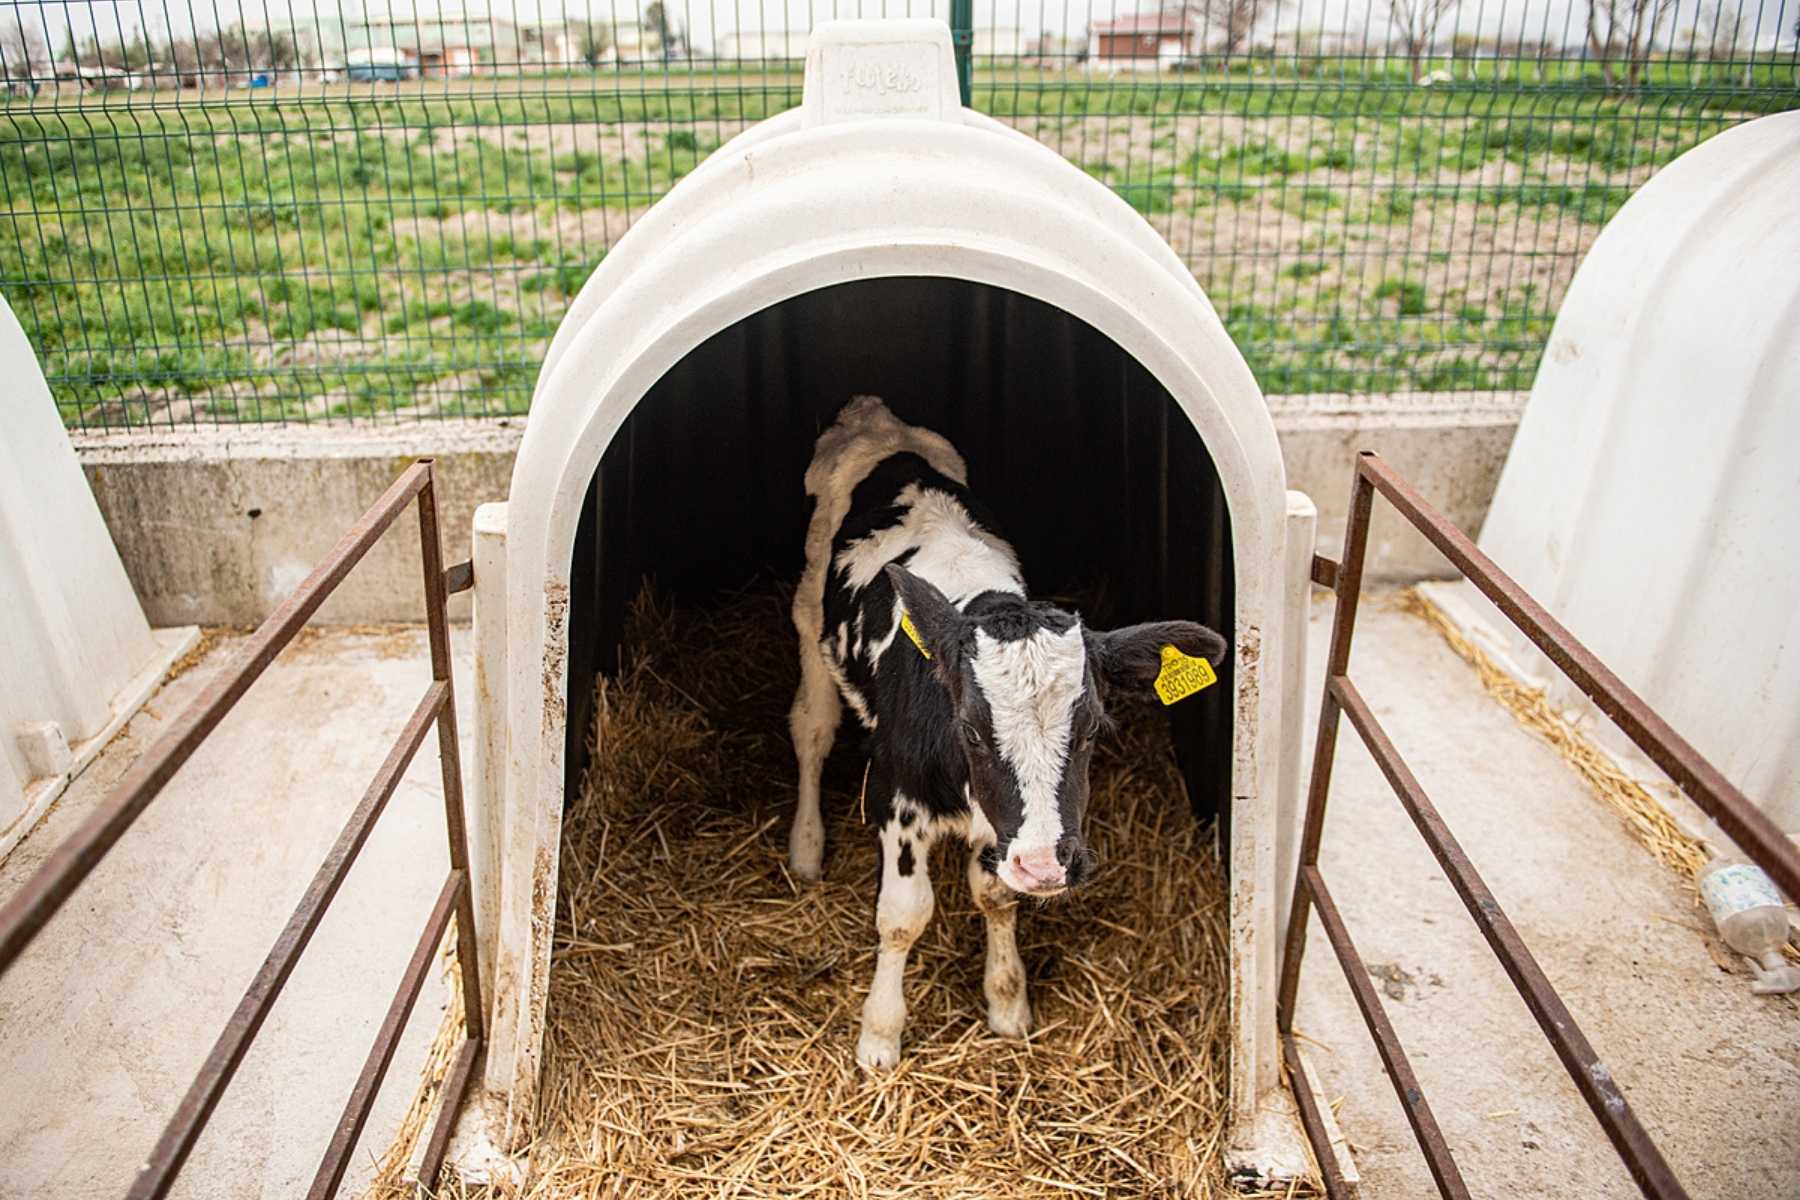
x: 1142, y: 41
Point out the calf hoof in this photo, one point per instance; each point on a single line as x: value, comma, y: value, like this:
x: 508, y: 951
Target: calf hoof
x: 877, y: 1052
x: 806, y: 850
x: 1011, y: 1019
x: 804, y: 864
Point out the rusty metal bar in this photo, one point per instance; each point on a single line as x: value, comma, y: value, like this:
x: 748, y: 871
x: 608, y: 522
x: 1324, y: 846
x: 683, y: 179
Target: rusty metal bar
x: 455, y: 1084
x: 439, y: 583
x: 1347, y: 580
x: 1737, y: 816
x: 158, y: 1173
x: 1591, y: 1076
x: 1693, y: 773
x: 450, y: 756
x: 1314, y: 1124
x: 1387, y: 1042
x: 387, y: 1038
x: 51, y: 885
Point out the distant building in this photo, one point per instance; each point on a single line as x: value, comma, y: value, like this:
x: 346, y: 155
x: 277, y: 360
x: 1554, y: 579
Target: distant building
x: 1312, y: 41
x: 762, y: 45
x: 1055, y: 49
x: 631, y: 43
x: 556, y: 46
x: 1145, y: 41
x: 444, y: 44
x: 97, y: 77
x: 999, y: 41
x: 470, y: 43
x: 553, y: 45
x: 379, y: 64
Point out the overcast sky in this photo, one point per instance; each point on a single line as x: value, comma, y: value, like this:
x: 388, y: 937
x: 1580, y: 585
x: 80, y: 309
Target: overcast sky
x: 1554, y: 21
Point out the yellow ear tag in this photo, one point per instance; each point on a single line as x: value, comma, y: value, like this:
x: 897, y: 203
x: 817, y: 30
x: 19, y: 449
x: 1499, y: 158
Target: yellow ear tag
x: 912, y: 631
x: 1182, y: 675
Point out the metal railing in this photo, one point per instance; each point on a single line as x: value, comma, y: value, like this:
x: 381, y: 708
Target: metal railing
x: 1735, y: 814
x: 55, y: 882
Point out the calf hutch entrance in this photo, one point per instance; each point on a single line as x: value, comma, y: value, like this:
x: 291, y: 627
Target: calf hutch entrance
x: 882, y: 239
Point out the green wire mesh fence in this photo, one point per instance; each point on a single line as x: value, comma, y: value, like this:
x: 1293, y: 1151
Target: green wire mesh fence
x: 250, y: 211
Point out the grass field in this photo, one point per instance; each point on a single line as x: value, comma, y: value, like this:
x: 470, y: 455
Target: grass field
x: 328, y: 253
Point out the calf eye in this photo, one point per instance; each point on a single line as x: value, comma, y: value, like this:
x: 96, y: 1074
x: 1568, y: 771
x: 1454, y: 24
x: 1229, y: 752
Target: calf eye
x: 970, y: 734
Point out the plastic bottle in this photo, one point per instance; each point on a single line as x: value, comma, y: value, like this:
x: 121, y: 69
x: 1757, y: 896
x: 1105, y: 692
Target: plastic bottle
x: 1752, y: 919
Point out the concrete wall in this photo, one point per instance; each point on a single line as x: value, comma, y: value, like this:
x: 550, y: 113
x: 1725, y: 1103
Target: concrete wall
x: 1449, y: 445
x: 215, y: 526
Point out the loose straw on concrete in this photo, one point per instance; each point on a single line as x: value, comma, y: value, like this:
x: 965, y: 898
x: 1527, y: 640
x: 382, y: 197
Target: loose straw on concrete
x: 703, y: 1007
x: 1644, y: 817
x: 395, y: 1169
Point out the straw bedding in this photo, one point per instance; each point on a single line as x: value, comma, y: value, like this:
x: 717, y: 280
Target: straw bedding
x: 1643, y: 815
x: 703, y: 1006
x: 1641, y: 812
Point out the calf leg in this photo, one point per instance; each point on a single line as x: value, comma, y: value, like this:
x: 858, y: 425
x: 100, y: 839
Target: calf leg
x: 1009, y: 1011
x: 813, y: 722
x: 900, y: 916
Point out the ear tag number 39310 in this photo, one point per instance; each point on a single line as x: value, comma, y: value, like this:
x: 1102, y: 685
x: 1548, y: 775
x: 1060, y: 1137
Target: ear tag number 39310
x: 912, y: 631
x: 1182, y: 675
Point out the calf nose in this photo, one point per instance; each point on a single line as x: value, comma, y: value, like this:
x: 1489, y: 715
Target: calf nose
x: 1077, y: 860
x: 1040, y: 869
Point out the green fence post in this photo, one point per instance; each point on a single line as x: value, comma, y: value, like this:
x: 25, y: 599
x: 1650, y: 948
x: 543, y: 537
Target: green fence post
x: 962, y: 36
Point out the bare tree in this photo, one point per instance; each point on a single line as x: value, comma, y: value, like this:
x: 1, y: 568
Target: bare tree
x: 209, y: 61
x: 671, y: 41
x: 1416, y: 24
x: 1724, y: 23
x: 24, y: 54
x: 593, y: 41
x: 238, y: 51
x: 184, y: 56
x: 1622, y: 32
x: 238, y: 46
x: 1226, y: 25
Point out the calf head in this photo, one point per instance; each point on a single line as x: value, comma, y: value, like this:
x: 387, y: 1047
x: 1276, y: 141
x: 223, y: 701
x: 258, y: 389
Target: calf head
x: 1028, y: 686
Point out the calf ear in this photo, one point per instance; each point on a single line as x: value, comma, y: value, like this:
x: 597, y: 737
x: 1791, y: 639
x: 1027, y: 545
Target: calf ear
x: 938, y: 622
x: 1132, y: 657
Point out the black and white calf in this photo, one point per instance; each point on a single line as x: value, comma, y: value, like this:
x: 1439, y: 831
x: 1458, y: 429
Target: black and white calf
x: 982, y: 726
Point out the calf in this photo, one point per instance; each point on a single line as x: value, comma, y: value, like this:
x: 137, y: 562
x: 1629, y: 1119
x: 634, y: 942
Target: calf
x: 982, y: 705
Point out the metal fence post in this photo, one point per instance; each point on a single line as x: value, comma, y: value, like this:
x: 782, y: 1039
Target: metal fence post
x: 962, y: 36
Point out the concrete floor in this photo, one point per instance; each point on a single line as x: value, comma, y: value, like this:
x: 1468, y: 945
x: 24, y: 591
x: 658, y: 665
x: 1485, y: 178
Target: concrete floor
x: 109, y: 1013
x: 1712, y: 1071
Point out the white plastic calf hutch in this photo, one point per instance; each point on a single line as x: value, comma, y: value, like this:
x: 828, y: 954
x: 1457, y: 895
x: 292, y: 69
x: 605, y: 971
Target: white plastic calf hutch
x: 1655, y: 461
x: 884, y: 239
x: 77, y: 654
